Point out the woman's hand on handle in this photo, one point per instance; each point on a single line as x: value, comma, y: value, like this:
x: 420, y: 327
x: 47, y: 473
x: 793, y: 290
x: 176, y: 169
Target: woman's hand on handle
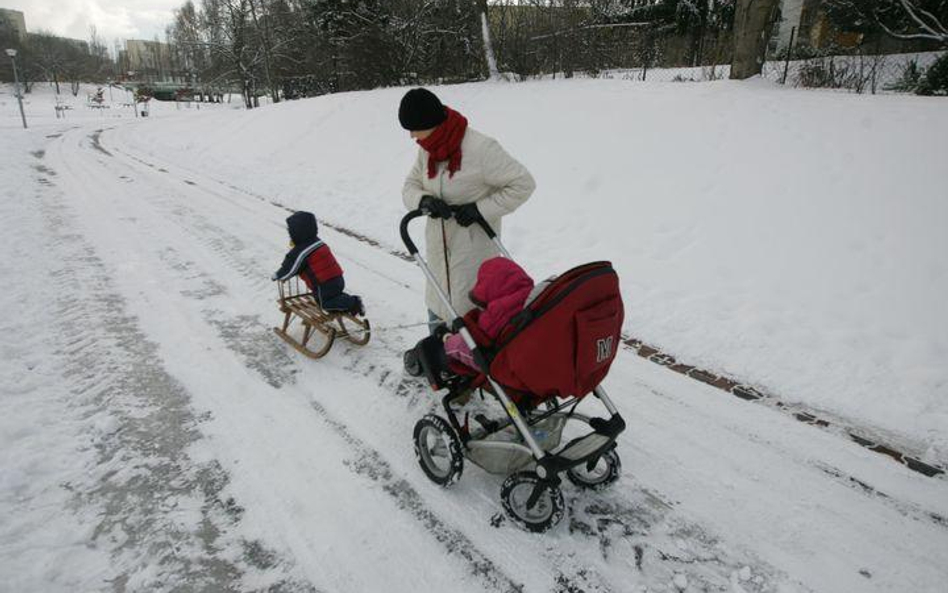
x: 467, y: 214
x: 435, y: 207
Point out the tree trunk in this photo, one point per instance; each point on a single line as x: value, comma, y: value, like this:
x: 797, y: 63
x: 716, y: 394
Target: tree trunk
x: 753, y: 24
x: 489, y: 57
x: 274, y: 94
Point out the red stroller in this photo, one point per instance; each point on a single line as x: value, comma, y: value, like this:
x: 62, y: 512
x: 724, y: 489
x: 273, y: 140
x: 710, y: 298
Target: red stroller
x: 542, y: 365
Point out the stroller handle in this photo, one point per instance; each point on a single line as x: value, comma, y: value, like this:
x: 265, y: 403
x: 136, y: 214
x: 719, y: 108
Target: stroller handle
x: 403, y: 229
x: 418, y: 213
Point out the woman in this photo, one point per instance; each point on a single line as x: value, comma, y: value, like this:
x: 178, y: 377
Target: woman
x: 459, y: 176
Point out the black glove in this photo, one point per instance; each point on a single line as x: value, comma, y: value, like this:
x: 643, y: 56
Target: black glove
x: 467, y: 214
x: 435, y: 207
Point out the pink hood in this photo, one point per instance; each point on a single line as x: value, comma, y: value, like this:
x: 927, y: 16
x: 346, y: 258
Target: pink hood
x: 502, y: 288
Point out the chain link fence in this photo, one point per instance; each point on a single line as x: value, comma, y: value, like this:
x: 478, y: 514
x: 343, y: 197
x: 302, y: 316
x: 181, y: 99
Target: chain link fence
x: 855, y: 71
x: 644, y: 54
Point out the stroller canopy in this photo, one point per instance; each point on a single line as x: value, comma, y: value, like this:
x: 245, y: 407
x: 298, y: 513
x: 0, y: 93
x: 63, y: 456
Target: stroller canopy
x: 563, y: 342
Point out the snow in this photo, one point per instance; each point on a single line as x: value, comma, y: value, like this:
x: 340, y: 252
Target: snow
x: 158, y: 436
x: 38, y: 456
x: 792, y: 239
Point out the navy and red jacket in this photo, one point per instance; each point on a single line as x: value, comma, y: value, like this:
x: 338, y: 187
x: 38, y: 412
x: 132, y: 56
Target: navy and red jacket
x: 310, y: 258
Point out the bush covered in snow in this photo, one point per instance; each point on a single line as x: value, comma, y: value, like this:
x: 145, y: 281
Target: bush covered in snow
x: 935, y: 81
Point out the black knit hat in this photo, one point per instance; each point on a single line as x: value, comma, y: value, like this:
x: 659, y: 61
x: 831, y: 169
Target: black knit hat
x: 420, y: 110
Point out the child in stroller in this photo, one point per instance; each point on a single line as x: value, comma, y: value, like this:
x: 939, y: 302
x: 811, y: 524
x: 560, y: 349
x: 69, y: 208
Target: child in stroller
x: 314, y: 262
x: 540, y: 365
x: 500, y: 292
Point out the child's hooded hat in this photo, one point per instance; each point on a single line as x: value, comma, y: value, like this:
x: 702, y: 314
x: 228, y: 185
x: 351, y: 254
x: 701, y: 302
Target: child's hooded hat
x: 303, y: 228
x: 502, y: 288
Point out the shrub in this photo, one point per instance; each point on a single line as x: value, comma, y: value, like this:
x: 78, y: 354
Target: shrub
x: 908, y: 79
x: 935, y: 80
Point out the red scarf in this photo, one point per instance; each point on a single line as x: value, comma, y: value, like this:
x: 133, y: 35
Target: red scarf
x: 444, y: 144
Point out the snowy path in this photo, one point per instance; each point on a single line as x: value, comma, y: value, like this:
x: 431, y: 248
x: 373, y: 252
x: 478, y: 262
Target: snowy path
x: 264, y: 467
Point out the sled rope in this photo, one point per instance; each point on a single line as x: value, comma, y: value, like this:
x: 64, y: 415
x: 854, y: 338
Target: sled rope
x: 376, y: 330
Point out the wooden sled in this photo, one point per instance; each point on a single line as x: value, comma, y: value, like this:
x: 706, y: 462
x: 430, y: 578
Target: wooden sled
x: 319, y: 328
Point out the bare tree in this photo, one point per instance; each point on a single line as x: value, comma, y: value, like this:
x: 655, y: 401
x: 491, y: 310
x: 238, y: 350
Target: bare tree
x: 922, y: 23
x: 262, y: 29
x: 489, y: 56
x: 51, y: 55
x: 925, y: 20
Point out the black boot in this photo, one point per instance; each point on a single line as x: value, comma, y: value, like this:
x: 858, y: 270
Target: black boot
x: 412, y: 364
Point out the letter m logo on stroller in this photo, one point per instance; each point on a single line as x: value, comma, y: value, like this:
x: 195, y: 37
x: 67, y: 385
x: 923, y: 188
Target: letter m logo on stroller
x: 604, y: 349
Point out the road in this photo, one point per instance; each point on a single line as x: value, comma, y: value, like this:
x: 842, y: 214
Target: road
x: 219, y: 459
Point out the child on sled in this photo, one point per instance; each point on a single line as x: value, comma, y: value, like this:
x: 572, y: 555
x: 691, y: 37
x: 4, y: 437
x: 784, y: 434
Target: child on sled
x: 314, y: 262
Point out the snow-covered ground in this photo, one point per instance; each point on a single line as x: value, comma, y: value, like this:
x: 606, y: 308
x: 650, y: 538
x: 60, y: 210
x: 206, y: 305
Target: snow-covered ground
x: 792, y: 239
x: 158, y: 436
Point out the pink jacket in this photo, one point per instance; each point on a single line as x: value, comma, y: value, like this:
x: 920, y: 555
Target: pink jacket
x: 501, y: 289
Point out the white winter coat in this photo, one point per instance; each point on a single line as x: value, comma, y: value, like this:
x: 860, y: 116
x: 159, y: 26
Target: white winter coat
x: 488, y: 176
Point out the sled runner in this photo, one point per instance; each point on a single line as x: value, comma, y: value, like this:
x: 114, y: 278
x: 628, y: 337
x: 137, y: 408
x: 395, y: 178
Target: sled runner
x: 540, y: 368
x: 319, y: 328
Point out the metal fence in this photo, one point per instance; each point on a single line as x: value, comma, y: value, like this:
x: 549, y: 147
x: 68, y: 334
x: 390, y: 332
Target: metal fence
x: 652, y: 53
x: 856, y: 72
x: 635, y: 52
x: 647, y: 53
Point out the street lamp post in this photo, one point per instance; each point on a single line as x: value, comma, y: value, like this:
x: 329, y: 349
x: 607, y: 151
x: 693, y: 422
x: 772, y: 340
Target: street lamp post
x: 16, y: 82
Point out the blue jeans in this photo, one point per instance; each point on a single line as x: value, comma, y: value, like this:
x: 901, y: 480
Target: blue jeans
x: 332, y: 297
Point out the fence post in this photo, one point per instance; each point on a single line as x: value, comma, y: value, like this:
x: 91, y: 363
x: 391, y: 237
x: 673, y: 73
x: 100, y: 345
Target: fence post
x: 648, y: 53
x: 786, y: 66
x: 876, y: 63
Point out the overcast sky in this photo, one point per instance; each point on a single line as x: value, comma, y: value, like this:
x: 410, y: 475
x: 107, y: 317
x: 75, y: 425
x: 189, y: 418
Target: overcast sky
x: 114, y: 19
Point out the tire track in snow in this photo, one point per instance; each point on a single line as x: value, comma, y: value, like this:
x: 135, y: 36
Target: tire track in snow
x: 862, y: 436
x: 242, y: 335
x: 906, y: 509
x: 369, y: 463
x: 635, y: 523
x: 163, y: 516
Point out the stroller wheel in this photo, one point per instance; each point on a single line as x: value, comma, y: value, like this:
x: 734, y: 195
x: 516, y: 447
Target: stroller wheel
x: 412, y: 363
x: 600, y: 476
x: 438, y: 450
x: 547, y: 508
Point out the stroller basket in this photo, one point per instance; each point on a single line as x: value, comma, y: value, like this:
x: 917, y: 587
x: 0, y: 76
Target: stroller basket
x: 504, y: 452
